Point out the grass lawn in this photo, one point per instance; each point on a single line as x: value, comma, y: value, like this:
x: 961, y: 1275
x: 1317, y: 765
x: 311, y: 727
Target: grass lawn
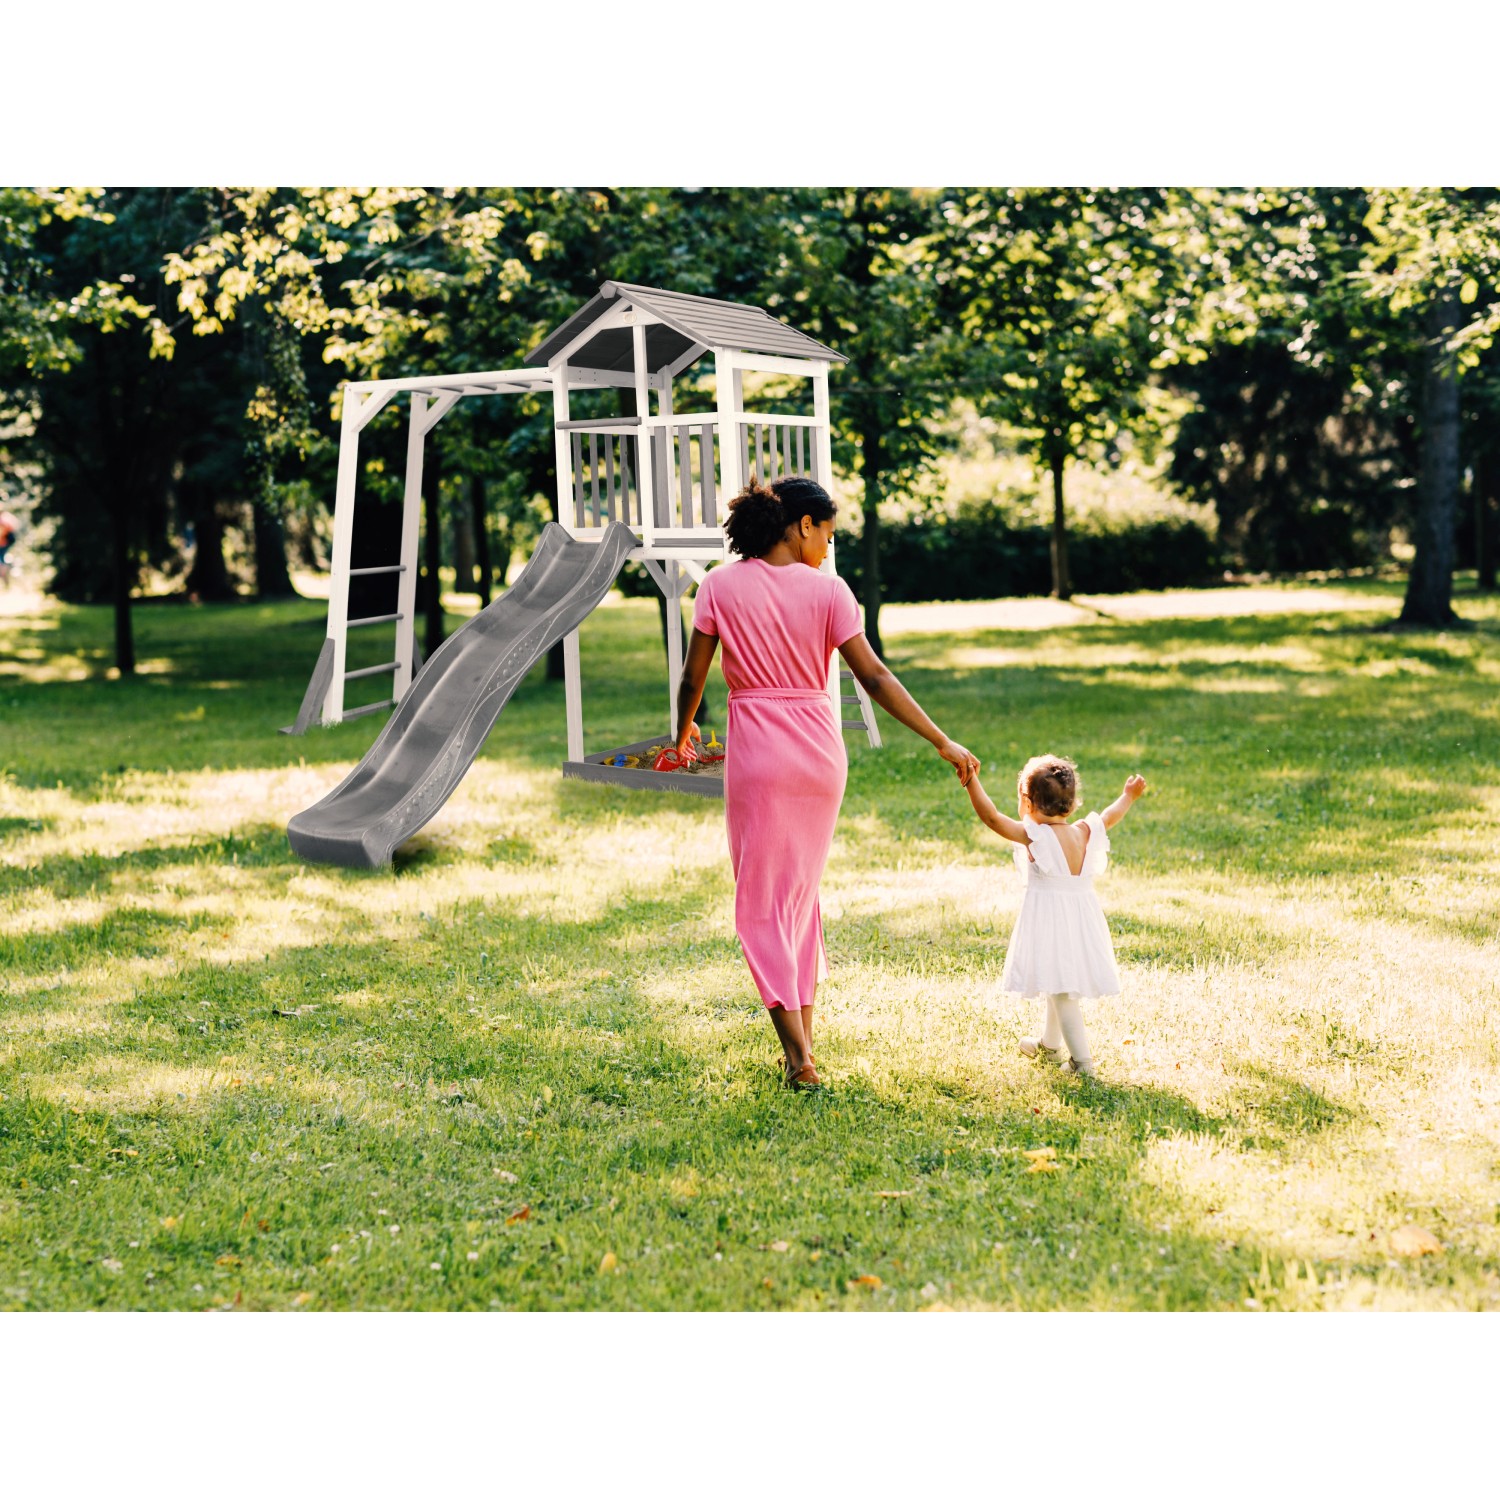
x: 526, y: 1068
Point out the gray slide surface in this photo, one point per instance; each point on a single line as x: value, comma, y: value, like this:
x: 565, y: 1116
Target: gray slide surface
x: 432, y: 737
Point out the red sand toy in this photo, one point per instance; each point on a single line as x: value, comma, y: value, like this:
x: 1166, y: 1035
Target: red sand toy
x: 670, y: 760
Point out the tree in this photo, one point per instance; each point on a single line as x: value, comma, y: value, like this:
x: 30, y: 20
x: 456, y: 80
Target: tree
x: 1301, y: 426
x: 115, y: 418
x: 1071, y: 300
x: 1434, y: 249
x: 854, y: 268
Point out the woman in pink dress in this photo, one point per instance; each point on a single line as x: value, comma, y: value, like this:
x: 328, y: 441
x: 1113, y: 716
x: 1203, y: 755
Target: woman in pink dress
x: 780, y: 620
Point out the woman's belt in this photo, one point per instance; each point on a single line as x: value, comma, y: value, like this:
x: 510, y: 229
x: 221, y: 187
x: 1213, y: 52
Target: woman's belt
x: 807, y: 695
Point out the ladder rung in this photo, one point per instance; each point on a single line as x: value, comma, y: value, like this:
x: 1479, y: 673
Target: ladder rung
x: 369, y: 708
x: 855, y: 724
x: 373, y: 620
x: 851, y: 698
x: 846, y: 674
x: 386, y: 666
x: 366, y: 572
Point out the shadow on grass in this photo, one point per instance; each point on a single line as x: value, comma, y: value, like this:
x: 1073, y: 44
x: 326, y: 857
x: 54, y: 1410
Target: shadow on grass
x: 269, y: 1108
x: 67, y: 876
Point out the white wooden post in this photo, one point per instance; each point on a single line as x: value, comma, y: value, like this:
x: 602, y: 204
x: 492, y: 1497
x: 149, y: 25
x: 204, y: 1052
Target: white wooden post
x: 573, y: 695
x: 563, y: 448
x: 562, y: 444
x: 824, y: 448
x: 727, y: 388
x: 411, y: 520
x: 673, y: 592
x: 664, y: 409
x: 343, y: 536
x: 821, y: 434
x: 645, y: 457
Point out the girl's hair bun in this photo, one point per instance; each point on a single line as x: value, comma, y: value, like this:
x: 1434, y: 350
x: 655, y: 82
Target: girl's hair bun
x: 1051, y: 783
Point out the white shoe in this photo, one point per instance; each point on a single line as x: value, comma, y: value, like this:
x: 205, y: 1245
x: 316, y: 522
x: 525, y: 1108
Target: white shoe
x: 1034, y: 1048
x: 1083, y: 1070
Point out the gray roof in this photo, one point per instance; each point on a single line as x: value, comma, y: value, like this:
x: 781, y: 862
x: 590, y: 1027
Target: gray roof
x: 685, y: 321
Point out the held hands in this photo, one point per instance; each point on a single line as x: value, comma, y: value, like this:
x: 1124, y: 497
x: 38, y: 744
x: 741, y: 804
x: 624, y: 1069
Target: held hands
x: 965, y: 764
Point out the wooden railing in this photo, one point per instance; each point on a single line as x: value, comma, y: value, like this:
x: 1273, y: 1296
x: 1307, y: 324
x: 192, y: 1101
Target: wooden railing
x: 686, y: 468
x: 773, y: 447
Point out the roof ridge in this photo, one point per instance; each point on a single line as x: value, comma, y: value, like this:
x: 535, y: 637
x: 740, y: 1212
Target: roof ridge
x: 663, y: 291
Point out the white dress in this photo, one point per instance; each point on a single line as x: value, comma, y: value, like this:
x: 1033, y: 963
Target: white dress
x: 1061, y: 945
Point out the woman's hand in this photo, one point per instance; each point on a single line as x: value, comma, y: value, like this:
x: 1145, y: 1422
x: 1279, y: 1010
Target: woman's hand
x: 963, y: 763
x: 688, y: 731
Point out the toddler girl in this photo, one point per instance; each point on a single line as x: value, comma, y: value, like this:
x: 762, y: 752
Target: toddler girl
x: 1061, y: 949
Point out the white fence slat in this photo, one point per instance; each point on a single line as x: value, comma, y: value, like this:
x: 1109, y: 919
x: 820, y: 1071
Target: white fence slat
x: 684, y: 438
x: 594, y: 477
x: 709, y: 502
x: 612, y: 483
x: 628, y: 484
x: 578, y: 516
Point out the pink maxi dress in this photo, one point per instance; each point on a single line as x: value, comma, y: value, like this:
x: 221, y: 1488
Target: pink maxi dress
x: 784, y: 766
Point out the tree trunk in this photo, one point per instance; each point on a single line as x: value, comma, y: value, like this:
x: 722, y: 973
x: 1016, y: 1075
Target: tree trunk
x: 1062, y: 581
x: 208, y: 577
x: 272, y: 581
x: 463, y: 545
x: 123, y: 580
x: 872, y: 464
x: 479, y: 524
x: 1429, y: 588
x: 432, y: 528
x: 1486, y: 516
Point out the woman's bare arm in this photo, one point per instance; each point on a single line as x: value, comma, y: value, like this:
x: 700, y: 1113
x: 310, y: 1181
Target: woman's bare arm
x: 885, y: 688
x: 700, y: 657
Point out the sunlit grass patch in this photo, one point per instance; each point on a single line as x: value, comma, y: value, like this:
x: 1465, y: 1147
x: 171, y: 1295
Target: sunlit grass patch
x: 526, y: 1067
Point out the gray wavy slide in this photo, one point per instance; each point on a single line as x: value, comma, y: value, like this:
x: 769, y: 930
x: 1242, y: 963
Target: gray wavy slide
x: 431, y: 739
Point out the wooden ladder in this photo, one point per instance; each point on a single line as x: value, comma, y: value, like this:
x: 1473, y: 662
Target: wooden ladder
x: 851, y: 692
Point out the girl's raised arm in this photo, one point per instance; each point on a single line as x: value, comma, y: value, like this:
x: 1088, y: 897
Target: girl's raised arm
x: 1134, y: 786
x: 992, y: 817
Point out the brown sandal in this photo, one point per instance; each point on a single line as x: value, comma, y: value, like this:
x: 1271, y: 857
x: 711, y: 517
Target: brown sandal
x: 806, y: 1077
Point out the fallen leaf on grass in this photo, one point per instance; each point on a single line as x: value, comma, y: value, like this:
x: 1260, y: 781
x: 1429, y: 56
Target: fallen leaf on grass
x: 227, y: 1260
x: 779, y: 1246
x: 522, y: 1213
x: 301, y: 1299
x: 868, y: 1282
x: 1412, y: 1239
x: 1041, y: 1153
x: 171, y: 1222
x: 546, y: 1094
x: 608, y: 1263
x: 505, y: 1176
x: 892, y: 1193
x: 1043, y: 1166
x: 111, y: 1264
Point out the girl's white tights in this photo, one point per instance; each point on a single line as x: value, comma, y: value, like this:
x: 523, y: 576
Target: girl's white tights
x: 1064, y: 1023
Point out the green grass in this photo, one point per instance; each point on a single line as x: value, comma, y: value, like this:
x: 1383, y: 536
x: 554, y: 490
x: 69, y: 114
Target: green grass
x: 533, y: 1044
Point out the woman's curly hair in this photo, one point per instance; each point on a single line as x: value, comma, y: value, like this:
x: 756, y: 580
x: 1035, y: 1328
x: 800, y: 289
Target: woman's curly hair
x: 1052, y: 784
x: 760, y: 514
